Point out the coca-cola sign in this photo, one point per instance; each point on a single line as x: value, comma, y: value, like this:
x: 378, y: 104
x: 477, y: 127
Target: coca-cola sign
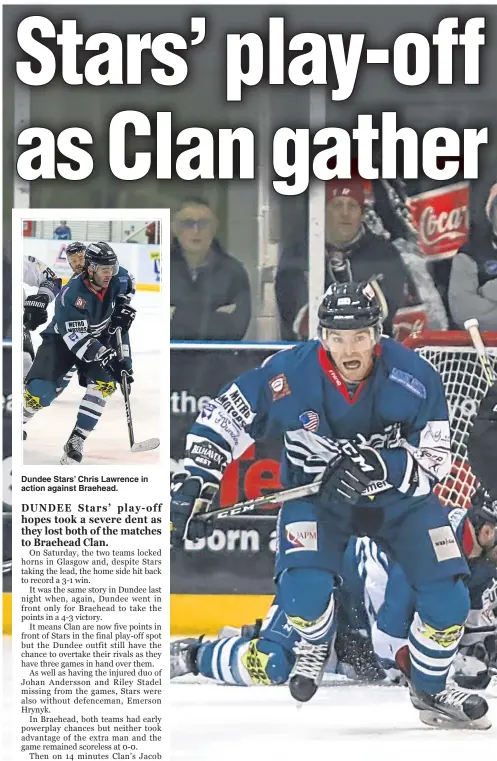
x: 442, y: 219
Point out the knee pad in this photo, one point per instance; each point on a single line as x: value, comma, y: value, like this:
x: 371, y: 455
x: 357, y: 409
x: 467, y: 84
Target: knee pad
x: 266, y: 662
x: 39, y: 393
x: 442, y: 604
x: 102, y: 388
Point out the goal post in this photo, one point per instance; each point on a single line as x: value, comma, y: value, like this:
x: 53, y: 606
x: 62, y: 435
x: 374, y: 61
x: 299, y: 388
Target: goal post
x: 454, y: 356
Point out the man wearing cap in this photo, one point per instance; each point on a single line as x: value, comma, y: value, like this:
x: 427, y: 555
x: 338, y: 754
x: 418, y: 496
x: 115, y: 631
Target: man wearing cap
x: 352, y: 252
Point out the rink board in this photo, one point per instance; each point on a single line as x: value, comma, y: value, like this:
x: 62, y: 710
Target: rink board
x: 207, y: 614
x: 7, y: 612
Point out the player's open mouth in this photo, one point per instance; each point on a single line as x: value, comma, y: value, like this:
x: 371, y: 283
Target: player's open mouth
x: 352, y: 364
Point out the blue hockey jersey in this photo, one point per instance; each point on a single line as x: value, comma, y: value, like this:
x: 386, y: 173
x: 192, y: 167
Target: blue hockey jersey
x: 82, y: 315
x: 400, y: 410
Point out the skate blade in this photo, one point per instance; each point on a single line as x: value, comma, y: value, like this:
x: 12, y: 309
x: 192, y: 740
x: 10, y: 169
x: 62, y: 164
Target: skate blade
x: 441, y: 722
x: 65, y: 460
x: 145, y: 446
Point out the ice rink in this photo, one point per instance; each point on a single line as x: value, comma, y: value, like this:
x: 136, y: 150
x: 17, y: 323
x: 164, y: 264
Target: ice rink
x: 343, y: 722
x: 108, y: 443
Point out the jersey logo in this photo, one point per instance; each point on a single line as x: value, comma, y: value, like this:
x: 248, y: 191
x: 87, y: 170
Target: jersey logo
x: 80, y: 302
x: 409, y: 382
x: 302, y: 536
x: 310, y: 420
x: 279, y: 387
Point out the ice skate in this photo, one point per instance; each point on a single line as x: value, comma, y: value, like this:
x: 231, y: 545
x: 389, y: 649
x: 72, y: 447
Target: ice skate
x: 452, y: 708
x: 307, y: 673
x: 182, y: 654
x: 73, y: 449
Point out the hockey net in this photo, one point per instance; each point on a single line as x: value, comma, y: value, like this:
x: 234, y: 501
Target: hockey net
x: 455, y: 358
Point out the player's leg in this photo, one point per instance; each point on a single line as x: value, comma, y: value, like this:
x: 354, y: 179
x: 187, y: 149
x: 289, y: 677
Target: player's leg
x: 311, y: 543
x: 262, y: 659
x: 66, y: 380
x: 28, y: 352
x: 99, y: 387
x: 53, y: 359
x: 424, y: 545
x: 368, y: 581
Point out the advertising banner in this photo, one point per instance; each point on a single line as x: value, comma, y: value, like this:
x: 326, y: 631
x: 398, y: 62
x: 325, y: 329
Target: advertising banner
x: 442, y: 219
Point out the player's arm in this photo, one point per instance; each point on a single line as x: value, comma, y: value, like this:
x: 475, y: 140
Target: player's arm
x: 424, y: 456
x: 73, y: 326
x: 225, y: 428
x: 37, y: 274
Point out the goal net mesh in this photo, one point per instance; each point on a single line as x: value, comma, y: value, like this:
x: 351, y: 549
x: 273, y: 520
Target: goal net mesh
x: 453, y: 355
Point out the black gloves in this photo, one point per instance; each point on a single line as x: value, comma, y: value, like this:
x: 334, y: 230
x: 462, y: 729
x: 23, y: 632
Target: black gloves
x: 347, y: 477
x: 190, y: 495
x: 35, y: 311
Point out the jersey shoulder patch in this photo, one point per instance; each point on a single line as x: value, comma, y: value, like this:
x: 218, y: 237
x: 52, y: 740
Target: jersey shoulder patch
x: 409, y: 382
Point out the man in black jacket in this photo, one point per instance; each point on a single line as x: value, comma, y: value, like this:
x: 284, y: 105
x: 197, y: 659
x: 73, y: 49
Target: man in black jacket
x: 352, y: 252
x: 210, y: 290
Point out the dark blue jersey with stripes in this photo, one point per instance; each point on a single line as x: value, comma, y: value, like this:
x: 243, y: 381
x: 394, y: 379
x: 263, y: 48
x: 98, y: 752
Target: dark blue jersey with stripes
x: 400, y: 410
x: 82, y: 315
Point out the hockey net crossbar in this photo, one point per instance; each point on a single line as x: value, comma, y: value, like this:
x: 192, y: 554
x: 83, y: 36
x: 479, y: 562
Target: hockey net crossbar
x: 453, y: 355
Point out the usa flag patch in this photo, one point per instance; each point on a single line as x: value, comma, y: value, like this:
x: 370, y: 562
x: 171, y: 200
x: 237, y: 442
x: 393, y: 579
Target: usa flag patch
x: 310, y: 420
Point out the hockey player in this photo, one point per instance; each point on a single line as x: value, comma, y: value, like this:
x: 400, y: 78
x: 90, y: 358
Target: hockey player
x: 375, y: 610
x: 36, y: 274
x: 476, y: 532
x: 370, y: 417
x: 482, y: 442
x: 263, y: 654
x: 75, y: 256
x: 89, y: 310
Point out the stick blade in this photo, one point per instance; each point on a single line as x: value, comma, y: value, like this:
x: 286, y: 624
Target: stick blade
x: 145, y: 446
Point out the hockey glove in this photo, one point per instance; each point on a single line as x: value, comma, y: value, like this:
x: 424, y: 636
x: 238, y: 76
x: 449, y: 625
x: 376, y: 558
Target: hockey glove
x: 122, y: 316
x: 35, y: 311
x: 190, y: 496
x: 348, y: 477
x: 110, y: 363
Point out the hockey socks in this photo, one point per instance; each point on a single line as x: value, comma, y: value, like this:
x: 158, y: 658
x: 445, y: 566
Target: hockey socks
x: 431, y: 653
x: 92, y: 405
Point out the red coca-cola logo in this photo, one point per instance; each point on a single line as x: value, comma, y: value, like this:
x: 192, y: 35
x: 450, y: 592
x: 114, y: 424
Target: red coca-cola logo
x: 442, y: 219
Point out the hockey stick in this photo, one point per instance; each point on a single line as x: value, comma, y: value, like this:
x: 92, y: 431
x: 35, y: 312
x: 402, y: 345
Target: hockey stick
x: 135, y: 446
x: 472, y: 326
x: 241, y: 508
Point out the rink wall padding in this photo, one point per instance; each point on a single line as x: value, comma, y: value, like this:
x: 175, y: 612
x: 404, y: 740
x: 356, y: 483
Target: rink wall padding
x: 207, y: 614
x: 141, y: 259
x: 7, y: 613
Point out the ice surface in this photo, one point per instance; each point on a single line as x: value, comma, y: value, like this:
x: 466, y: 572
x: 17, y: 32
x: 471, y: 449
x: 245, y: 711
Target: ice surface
x: 343, y: 722
x: 108, y: 443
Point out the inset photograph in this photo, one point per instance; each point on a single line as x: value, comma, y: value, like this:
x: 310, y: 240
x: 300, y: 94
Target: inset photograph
x: 91, y: 341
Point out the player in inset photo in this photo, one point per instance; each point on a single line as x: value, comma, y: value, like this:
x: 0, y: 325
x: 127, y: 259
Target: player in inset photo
x: 89, y: 334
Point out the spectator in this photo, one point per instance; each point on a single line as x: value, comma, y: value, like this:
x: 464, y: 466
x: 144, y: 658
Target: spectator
x: 62, y: 232
x: 473, y: 276
x: 352, y: 252
x: 152, y: 232
x: 210, y: 290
